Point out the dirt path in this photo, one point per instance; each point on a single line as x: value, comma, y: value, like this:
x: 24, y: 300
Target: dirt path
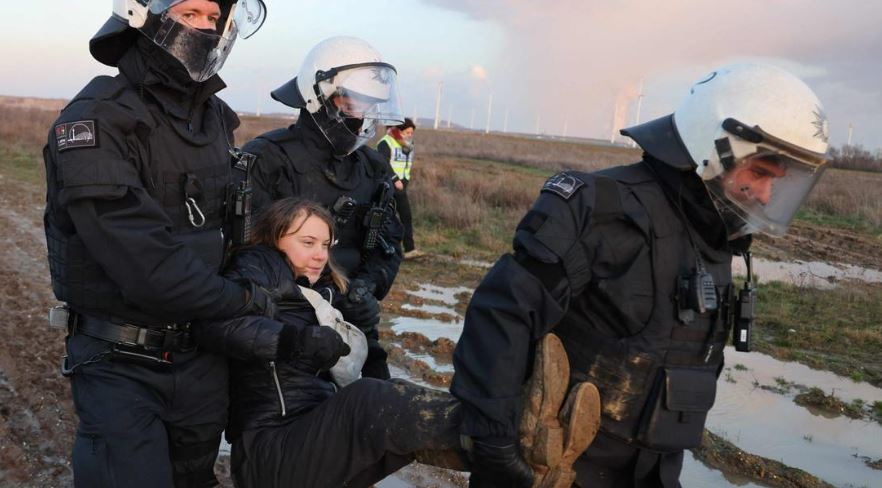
x: 36, y: 414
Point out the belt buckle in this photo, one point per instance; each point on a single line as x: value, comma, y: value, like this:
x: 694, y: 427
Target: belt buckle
x: 177, y: 339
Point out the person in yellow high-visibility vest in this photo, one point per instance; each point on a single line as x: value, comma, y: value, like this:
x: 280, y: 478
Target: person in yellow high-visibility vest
x: 397, y: 147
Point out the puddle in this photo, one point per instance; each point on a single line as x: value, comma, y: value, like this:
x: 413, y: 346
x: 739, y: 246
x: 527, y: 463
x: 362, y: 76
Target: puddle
x: 432, y: 362
x: 442, y: 294
x: 477, y: 264
x: 812, y: 274
x: 771, y: 425
x: 393, y: 482
x: 696, y: 474
x: 765, y: 369
x: 431, y: 328
x: 431, y: 309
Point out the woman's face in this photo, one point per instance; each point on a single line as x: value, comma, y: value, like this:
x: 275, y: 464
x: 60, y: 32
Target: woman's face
x: 307, y: 246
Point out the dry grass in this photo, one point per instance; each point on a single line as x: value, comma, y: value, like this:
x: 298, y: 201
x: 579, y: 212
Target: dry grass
x: 545, y: 154
x: 252, y: 127
x: 25, y: 127
x: 851, y: 197
x: 464, y: 206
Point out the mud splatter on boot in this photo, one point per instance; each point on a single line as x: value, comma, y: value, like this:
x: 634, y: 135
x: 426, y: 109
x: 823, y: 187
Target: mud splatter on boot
x: 554, y: 432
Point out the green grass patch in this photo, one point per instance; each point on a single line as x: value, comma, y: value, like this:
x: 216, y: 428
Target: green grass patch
x: 854, y: 223
x: 22, y: 163
x: 838, y: 329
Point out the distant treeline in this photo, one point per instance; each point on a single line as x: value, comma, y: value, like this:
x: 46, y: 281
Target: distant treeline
x: 856, y: 157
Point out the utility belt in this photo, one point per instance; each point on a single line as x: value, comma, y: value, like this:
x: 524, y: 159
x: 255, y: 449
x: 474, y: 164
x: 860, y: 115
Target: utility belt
x: 153, y: 345
x: 172, y: 338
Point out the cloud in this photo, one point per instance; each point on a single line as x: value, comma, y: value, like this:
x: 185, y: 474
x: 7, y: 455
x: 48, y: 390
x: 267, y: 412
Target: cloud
x: 590, y: 52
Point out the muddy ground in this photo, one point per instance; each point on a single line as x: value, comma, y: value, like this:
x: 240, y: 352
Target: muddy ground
x: 36, y: 416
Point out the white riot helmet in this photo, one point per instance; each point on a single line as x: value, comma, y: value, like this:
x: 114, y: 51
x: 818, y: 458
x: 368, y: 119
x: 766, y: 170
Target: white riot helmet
x: 347, y: 89
x: 202, y: 51
x: 758, y: 136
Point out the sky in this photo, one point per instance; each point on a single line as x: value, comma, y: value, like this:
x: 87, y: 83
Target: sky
x: 556, y: 67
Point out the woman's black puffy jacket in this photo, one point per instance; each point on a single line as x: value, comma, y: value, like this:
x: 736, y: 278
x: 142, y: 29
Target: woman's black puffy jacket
x: 267, y: 387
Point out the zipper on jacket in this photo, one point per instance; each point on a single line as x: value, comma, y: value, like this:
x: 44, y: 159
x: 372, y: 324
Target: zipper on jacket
x: 278, y: 387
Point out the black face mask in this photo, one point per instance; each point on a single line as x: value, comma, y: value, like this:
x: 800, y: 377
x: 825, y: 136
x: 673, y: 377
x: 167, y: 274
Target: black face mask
x: 342, y: 135
x: 354, y: 125
x: 196, y: 49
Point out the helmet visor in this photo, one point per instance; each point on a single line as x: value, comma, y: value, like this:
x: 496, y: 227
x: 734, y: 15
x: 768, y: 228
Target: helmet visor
x: 762, y: 191
x: 244, y: 17
x: 367, y: 91
x: 360, y: 96
x: 201, y: 34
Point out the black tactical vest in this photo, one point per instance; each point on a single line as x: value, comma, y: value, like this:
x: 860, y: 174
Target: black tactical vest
x: 317, y: 182
x: 631, y: 331
x: 188, y: 176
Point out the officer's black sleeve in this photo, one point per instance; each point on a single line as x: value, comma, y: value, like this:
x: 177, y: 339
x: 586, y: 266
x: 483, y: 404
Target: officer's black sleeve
x: 270, y: 179
x: 128, y: 234
x: 249, y: 338
x: 521, y: 299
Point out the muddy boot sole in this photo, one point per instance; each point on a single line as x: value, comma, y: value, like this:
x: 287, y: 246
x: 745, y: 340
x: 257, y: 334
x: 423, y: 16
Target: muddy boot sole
x: 580, y: 421
x: 541, y: 435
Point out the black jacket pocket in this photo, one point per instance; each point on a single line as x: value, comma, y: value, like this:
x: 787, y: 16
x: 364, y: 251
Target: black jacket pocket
x: 682, y: 401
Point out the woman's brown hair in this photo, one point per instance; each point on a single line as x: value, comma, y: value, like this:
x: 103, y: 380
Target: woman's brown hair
x: 274, y: 221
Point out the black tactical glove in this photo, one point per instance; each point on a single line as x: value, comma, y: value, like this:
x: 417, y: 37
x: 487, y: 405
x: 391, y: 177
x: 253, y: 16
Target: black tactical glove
x: 319, y: 347
x: 264, y: 301
x: 375, y: 365
x: 359, y: 307
x: 258, y: 301
x: 497, y: 462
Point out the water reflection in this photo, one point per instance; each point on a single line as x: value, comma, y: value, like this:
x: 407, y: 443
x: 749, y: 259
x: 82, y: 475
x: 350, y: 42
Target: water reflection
x: 812, y: 274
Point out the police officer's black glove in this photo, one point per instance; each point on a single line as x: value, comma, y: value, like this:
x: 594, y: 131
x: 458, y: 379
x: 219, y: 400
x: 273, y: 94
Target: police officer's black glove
x: 264, y: 301
x: 319, y: 348
x: 258, y: 300
x: 375, y: 365
x: 359, y: 307
x: 497, y: 462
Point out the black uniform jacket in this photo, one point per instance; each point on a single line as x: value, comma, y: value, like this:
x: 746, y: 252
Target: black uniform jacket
x: 267, y: 387
x: 599, y: 264
x: 298, y: 162
x: 118, y: 163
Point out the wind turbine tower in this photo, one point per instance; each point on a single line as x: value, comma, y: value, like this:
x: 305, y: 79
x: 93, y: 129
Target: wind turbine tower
x: 438, y: 105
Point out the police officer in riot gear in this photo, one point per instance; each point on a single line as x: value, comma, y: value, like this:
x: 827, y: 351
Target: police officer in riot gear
x: 138, y: 172
x: 631, y: 268
x: 343, y: 90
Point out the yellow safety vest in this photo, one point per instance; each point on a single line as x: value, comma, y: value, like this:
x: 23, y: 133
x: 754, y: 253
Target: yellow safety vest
x: 400, y: 162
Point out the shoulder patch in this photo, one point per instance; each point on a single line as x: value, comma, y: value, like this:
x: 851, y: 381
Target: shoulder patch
x: 71, y: 135
x: 563, y: 184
